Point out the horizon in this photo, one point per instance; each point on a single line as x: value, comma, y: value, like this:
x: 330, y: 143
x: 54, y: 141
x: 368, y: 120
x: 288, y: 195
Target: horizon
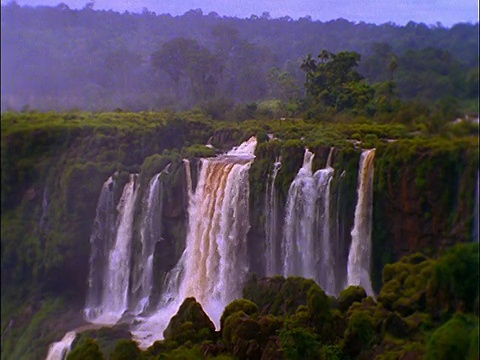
x: 432, y: 13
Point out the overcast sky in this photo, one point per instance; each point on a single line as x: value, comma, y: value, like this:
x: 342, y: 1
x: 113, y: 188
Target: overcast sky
x: 448, y: 12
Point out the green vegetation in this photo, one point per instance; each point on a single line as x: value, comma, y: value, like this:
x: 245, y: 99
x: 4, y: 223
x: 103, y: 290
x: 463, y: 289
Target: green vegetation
x: 395, y: 96
x: 316, y: 329
x: 229, y: 67
x: 54, y: 165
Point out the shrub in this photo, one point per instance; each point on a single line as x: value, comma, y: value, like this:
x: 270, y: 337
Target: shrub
x: 190, y: 323
x: 88, y: 350
x: 126, y: 350
x: 350, y: 295
x: 453, y: 339
x: 244, y: 305
x: 454, y: 282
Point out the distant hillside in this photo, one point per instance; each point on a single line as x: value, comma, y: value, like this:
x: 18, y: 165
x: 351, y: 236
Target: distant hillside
x: 61, y: 59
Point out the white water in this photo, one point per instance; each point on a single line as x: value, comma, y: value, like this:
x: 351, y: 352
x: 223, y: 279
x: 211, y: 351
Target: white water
x: 306, y: 247
x: 59, y: 350
x: 101, y: 241
x: 150, y: 233
x: 358, y: 269
x: 114, y: 300
x: 214, y: 264
x: 298, y: 240
x: 326, y: 277
x: 271, y: 225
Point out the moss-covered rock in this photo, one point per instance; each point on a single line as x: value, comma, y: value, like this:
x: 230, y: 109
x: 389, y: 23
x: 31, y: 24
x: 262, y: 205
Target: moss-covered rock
x: 395, y: 326
x: 246, y: 306
x: 350, y: 295
x: 126, y: 350
x: 263, y: 291
x: 454, y: 282
x: 190, y: 323
x: 87, y: 350
x: 453, y: 340
x: 105, y: 338
x: 359, y: 333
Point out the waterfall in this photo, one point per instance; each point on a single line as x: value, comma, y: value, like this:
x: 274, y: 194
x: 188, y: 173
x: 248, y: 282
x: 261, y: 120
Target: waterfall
x: 114, y: 294
x: 59, y: 350
x: 358, y: 270
x: 216, y: 257
x: 214, y: 264
x: 188, y: 175
x: 297, y: 246
x: 307, y: 245
x: 326, y: 276
x: 101, y: 240
x: 150, y: 234
x: 271, y: 225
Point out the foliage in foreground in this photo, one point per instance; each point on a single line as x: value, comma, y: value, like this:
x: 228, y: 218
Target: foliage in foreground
x: 293, y: 318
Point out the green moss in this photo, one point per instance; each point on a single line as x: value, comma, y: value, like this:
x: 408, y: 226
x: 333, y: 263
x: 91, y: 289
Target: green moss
x: 87, y: 350
x: 246, y: 306
x: 452, y: 340
x: 126, y: 350
x: 188, y: 323
x: 350, y: 295
x: 359, y: 333
x: 454, y: 282
x: 299, y: 343
x: 26, y: 333
x: 105, y: 338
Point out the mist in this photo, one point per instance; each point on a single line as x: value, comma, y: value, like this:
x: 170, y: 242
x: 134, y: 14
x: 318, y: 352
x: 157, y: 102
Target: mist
x: 57, y: 58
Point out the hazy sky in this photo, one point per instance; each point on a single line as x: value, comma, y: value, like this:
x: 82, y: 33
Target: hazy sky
x: 448, y: 12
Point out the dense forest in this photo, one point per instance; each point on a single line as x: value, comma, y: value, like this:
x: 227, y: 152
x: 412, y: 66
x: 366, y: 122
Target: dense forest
x: 56, y: 58
x: 111, y: 122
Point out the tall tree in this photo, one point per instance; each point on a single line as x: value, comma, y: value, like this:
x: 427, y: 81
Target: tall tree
x: 334, y: 83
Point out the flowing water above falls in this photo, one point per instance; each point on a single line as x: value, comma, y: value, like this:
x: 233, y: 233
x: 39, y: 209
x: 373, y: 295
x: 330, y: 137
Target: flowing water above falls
x: 112, y: 300
x: 214, y: 264
x: 306, y: 245
x: 271, y: 223
x: 358, y: 270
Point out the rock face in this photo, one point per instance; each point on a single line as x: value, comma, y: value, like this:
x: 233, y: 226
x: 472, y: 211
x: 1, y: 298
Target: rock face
x: 422, y: 202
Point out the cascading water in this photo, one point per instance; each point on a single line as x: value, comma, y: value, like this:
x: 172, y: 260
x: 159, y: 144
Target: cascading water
x: 114, y: 294
x: 326, y: 276
x: 59, y: 350
x: 358, y: 270
x: 214, y: 264
x: 271, y: 225
x: 150, y: 234
x: 216, y: 257
x: 298, y: 240
x: 306, y: 247
x: 101, y: 240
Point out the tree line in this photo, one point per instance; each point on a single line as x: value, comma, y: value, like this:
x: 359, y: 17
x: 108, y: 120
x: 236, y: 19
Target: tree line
x: 57, y: 58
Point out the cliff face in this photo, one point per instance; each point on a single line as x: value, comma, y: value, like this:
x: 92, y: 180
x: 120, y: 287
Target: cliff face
x: 423, y: 194
x: 423, y: 201
x: 52, y: 175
